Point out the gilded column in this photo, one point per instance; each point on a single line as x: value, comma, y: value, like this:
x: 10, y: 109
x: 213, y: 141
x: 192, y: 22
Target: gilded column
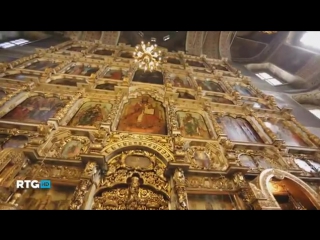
x: 179, y: 182
x: 84, y: 187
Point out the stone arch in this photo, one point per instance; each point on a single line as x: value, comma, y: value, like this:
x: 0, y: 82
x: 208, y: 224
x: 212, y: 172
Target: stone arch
x: 115, y: 148
x: 266, y: 175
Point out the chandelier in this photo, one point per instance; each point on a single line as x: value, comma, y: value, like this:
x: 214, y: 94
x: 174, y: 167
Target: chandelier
x: 147, y: 56
x: 269, y: 32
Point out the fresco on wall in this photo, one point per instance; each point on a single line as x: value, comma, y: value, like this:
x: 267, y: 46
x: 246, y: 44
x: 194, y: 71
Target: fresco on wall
x: 35, y: 109
x: 145, y: 115
x: 154, y: 77
x: 67, y: 82
x: 21, y: 76
x: 106, y: 86
x: 71, y: 149
x: 239, y: 129
x: 16, y: 142
x: 2, y: 93
x: 243, y: 90
x: 104, y: 52
x: 207, y: 85
x: 282, y: 132
x: 182, y: 82
x: 126, y: 55
x: 90, y: 114
x: 41, y: 65
x: 195, y: 64
x: 114, y: 73
x: 76, y: 48
x: 173, y: 61
x: 211, y: 202
x: 186, y: 95
x: 222, y: 100
x: 192, y: 125
x: 83, y: 70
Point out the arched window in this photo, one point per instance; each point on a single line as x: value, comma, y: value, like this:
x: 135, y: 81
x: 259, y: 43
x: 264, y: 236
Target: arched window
x: 18, y: 42
x: 269, y: 79
x: 311, y: 39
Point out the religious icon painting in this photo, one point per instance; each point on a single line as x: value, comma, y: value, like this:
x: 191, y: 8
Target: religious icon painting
x: 143, y: 115
x: 91, y: 114
x: 192, y: 125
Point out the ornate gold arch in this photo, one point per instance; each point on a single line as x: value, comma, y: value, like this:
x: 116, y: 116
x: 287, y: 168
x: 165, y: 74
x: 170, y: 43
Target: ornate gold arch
x: 115, y: 148
x: 266, y: 176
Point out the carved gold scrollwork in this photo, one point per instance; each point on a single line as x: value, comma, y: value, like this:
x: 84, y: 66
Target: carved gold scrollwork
x: 180, y: 189
x: 83, y: 187
x: 134, y: 180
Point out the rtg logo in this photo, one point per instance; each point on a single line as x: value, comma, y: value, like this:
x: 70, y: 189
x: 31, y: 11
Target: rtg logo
x: 44, y: 184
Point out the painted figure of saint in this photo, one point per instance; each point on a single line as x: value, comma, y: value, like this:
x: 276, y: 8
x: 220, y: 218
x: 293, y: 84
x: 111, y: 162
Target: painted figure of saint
x: 91, y: 115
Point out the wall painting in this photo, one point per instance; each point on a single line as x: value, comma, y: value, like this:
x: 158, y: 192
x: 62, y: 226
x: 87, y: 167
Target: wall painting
x: 239, y: 129
x: 192, y: 125
x: 35, y: 109
x: 195, y: 64
x: 173, y: 61
x: 202, y: 158
x: 20, y: 76
x: 71, y: 149
x: 15, y: 142
x: 114, y: 73
x: 207, y: 85
x: 219, y: 67
x: 282, y: 132
x: 222, y: 100
x: 67, y: 82
x: 254, y: 161
x: 90, y: 114
x: 243, y: 90
x: 41, y: 65
x: 126, y: 55
x: 182, y: 82
x: 103, y: 52
x: 106, y: 86
x: 154, y: 77
x: 186, y: 95
x: 83, y: 70
x: 144, y: 115
x: 211, y: 202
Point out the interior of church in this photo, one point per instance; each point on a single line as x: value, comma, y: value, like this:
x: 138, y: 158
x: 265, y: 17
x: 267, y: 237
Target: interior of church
x: 159, y: 120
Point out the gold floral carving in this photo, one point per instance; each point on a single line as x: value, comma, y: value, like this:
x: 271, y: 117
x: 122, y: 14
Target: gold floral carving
x: 213, y: 152
x: 55, y: 171
x: 84, y: 186
x: 132, y: 184
x: 179, y: 181
x: 158, y: 144
x: 63, y: 112
x: 210, y: 183
x: 60, y: 140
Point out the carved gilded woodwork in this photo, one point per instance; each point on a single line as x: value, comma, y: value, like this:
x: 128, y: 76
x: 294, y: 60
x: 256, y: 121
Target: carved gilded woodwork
x: 134, y: 181
x: 162, y: 169
x: 62, y: 144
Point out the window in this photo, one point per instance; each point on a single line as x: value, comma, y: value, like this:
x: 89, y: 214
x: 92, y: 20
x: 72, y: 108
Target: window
x: 269, y: 79
x: 311, y: 39
x: 18, y: 42
x: 315, y: 112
